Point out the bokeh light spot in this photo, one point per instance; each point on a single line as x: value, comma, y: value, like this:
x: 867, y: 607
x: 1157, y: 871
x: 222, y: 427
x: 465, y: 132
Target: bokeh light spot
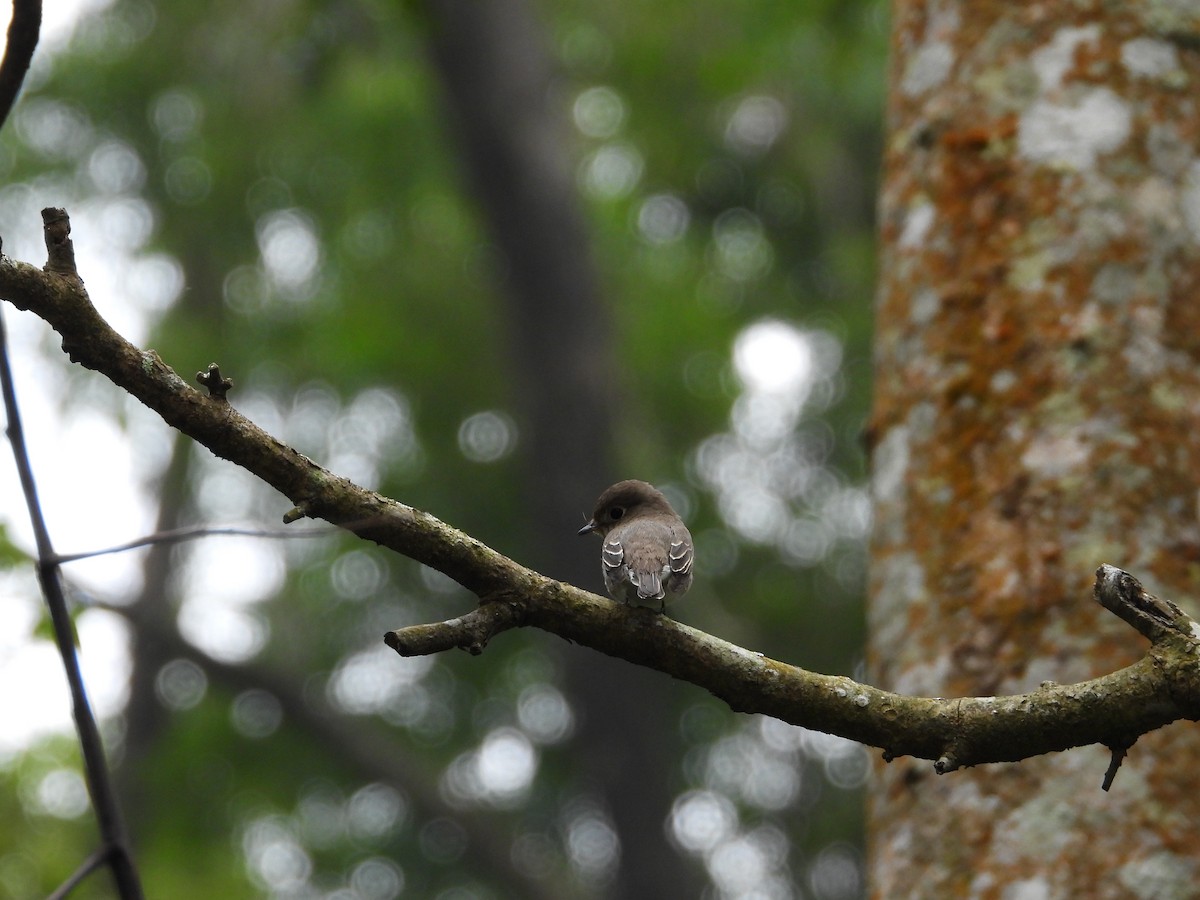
x: 756, y: 124
x: 176, y: 114
x: 773, y: 356
x: 377, y: 879
x: 662, y: 218
x: 375, y: 810
x: 701, y: 820
x: 290, y: 250
x: 180, y: 684
x: 544, y: 714
x: 487, y: 437
x: 612, y: 171
x: 61, y: 793
x: 275, y: 859
x: 599, y: 112
x: 743, y: 252
x: 256, y: 714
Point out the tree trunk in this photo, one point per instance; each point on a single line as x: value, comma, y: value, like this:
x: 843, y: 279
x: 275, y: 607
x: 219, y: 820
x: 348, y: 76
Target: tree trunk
x: 1037, y: 401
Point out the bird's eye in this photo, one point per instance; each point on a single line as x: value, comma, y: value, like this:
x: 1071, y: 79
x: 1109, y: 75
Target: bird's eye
x: 616, y: 512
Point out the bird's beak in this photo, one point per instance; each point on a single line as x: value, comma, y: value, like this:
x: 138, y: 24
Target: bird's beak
x: 590, y: 526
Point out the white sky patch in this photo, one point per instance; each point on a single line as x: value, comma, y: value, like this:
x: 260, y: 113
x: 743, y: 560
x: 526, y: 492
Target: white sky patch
x: 772, y: 356
x: 35, y: 701
x: 232, y: 570
x: 35, y: 713
x: 88, y: 487
x: 60, y: 19
x: 1072, y: 136
x: 223, y: 631
x: 221, y: 580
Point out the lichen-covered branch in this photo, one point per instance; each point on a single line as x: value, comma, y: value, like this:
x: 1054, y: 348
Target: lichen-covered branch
x: 1112, y: 710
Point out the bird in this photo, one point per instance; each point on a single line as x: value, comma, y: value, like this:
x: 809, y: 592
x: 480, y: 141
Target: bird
x: 647, y: 552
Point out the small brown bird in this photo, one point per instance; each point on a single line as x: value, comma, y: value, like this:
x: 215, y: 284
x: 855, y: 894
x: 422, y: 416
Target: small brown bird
x: 647, y: 552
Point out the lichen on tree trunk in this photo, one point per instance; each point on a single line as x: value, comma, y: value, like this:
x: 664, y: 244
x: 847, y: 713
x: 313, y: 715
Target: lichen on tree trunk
x: 1038, y: 393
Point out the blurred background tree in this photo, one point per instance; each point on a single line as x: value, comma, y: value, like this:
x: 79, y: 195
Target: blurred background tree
x: 485, y: 258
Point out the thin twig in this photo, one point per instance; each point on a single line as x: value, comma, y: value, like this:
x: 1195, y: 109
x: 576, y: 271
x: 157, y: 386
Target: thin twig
x: 99, y: 781
x: 87, y: 867
x: 191, y: 532
x: 1114, y: 763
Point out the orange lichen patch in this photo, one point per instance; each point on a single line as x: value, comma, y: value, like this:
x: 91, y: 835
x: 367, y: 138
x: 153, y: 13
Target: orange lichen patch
x: 989, y: 138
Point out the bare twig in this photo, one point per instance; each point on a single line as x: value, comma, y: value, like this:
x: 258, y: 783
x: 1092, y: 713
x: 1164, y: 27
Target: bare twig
x: 191, y: 533
x: 99, y: 781
x: 95, y: 860
x: 1118, y: 756
x: 470, y: 632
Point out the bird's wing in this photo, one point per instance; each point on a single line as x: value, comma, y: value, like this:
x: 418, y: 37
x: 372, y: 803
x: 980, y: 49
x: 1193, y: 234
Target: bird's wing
x: 612, y: 556
x: 680, y: 557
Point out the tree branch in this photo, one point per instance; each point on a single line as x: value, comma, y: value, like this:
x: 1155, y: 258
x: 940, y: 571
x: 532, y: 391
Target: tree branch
x: 1112, y: 710
x: 23, y: 32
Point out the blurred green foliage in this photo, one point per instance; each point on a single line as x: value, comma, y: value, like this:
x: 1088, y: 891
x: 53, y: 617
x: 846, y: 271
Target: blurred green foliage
x: 282, y: 177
